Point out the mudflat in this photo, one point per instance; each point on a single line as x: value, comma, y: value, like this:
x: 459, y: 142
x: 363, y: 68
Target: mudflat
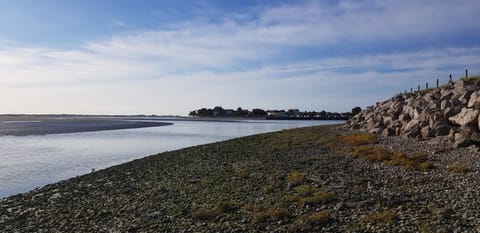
x: 39, y: 125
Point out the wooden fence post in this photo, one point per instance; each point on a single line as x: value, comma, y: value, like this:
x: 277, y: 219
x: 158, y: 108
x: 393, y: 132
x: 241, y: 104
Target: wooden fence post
x: 418, y: 87
x: 466, y: 73
x: 437, y: 82
x: 426, y: 85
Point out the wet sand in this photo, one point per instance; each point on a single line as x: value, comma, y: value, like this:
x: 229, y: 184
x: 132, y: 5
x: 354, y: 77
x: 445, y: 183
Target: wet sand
x: 39, y: 125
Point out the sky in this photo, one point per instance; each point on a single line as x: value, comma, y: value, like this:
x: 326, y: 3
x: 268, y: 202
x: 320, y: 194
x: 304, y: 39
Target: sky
x: 170, y: 57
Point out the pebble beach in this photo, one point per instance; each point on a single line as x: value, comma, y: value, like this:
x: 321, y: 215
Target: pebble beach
x: 300, y: 180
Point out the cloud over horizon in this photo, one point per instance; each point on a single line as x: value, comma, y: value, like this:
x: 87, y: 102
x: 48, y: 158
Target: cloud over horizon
x: 311, y: 55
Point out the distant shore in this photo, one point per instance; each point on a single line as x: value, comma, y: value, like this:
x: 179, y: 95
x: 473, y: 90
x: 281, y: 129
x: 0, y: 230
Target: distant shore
x: 40, y: 125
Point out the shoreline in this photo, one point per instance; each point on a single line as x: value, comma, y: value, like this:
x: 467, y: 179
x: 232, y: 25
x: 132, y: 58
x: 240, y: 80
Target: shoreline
x: 293, y: 180
x: 45, y: 126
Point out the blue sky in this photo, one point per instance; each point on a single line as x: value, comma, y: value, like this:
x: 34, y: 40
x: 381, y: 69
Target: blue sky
x: 169, y: 57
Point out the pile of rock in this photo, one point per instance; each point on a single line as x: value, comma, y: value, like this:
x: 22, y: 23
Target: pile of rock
x: 450, y: 111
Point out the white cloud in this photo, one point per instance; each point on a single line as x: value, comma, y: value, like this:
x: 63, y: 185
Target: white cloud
x: 232, y: 63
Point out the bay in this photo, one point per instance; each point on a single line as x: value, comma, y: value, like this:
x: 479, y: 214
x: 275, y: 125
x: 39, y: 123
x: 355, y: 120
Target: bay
x: 28, y: 162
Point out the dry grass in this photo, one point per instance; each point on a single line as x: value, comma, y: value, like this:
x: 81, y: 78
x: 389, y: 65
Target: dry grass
x: 473, y: 79
x: 401, y: 159
x: 227, y: 207
x: 425, y: 228
x: 250, y: 206
x: 307, y: 221
x: 273, y: 214
x: 206, y: 213
x: 306, y: 194
x: 304, y: 190
x: 459, y: 168
x: 211, y: 213
x: 296, y: 178
x: 242, y: 174
x: 381, y: 217
x: 318, y: 197
x: 378, y: 154
x: 372, y: 153
x: 357, y: 139
x: 425, y: 166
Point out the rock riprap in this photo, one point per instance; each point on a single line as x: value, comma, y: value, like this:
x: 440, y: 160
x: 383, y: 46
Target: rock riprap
x: 450, y: 112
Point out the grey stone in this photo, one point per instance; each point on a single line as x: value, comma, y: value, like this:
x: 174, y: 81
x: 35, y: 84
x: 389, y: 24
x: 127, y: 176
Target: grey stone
x: 467, y: 116
x: 474, y: 101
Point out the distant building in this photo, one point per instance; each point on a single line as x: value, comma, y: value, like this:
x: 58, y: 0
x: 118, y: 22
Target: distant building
x: 229, y: 112
x: 276, y: 114
x: 293, y: 112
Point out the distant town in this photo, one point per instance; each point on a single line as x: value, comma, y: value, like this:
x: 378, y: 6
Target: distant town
x: 290, y: 114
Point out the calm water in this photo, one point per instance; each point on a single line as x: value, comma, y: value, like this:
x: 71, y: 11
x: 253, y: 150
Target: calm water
x: 33, y: 161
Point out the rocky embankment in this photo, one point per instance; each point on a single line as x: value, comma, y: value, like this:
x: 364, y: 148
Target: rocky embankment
x: 449, y: 113
x: 301, y: 180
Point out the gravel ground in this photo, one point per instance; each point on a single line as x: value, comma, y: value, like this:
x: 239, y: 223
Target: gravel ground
x: 301, y: 180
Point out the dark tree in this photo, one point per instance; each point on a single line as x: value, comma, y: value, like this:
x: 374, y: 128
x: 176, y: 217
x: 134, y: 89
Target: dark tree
x: 256, y: 112
x: 218, y: 111
x: 356, y: 110
x: 240, y: 112
x: 203, y: 112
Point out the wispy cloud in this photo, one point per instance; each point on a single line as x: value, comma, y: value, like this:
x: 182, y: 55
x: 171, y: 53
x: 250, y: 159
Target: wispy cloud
x: 243, y: 60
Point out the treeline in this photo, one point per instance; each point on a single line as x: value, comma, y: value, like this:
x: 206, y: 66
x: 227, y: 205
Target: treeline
x: 218, y: 111
x: 291, y: 114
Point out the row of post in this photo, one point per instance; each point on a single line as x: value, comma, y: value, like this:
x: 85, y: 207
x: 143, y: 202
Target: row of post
x: 438, y: 82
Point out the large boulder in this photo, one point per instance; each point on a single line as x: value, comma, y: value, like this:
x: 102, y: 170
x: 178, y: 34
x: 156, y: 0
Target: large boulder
x: 465, y: 97
x: 388, y: 132
x: 445, y: 104
x: 465, y: 117
x: 426, y: 132
x: 412, y: 128
x: 474, y: 101
x: 459, y: 86
x: 440, y: 130
x: 462, y: 138
x: 451, y: 111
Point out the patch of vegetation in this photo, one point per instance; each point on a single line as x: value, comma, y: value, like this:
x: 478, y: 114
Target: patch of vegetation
x: 273, y: 214
x: 381, y: 217
x: 227, y: 207
x: 242, y: 174
x: 425, y: 166
x: 372, y: 153
x: 318, y: 197
x: 307, y: 221
x: 378, y: 154
x: 252, y: 207
x: 306, y: 194
x: 425, y: 228
x: 473, y: 79
x: 296, y: 177
x: 357, y: 139
x: 206, y: 213
x: 460, y: 168
x: 211, y: 213
x: 304, y: 190
x: 401, y: 159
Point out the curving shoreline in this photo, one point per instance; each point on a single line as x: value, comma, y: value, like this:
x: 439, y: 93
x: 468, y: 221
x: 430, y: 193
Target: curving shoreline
x: 288, y: 181
x: 43, y: 126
